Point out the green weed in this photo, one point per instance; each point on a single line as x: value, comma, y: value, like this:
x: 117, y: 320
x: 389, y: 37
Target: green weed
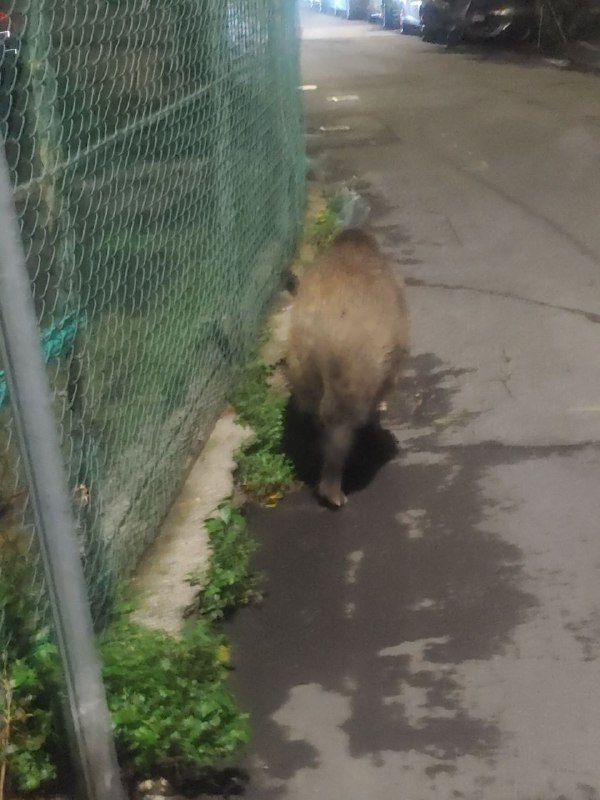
x: 228, y: 581
x: 344, y: 208
x: 172, y: 711
x: 263, y: 470
x: 323, y: 228
x: 30, y: 722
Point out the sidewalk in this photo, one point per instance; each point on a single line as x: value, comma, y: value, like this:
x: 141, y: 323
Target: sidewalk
x: 439, y: 639
x: 583, y: 56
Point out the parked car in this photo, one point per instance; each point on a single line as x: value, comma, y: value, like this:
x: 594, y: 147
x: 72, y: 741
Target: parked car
x: 409, y: 15
x: 392, y: 14
x: 350, y: 9
x: 477, y: 20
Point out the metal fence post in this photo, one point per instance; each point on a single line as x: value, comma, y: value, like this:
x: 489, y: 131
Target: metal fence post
x: 85, y: 703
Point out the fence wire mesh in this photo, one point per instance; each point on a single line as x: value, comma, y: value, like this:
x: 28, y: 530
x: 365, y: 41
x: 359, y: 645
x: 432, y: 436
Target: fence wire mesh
x: 156, y: 156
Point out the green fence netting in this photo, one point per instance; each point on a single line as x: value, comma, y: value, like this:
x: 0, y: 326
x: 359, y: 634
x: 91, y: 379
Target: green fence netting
x: 157, y: 158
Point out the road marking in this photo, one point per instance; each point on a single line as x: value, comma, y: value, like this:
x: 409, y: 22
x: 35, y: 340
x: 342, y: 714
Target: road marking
x: 334, y: 128
x: 343, y: 98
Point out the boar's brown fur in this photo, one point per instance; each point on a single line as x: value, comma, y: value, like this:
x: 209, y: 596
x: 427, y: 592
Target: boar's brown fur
x: 348, y: 337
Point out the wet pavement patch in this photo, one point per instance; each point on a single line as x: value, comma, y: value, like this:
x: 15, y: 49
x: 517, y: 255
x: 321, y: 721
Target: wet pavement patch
x: 377, y: 602
x: 424, y: 399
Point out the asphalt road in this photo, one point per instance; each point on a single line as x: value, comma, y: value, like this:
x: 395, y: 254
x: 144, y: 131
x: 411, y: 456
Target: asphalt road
x: 439, y: 638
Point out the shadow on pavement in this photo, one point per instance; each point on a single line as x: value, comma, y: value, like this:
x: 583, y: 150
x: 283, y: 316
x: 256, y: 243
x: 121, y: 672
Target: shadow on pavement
x: 373, y: 448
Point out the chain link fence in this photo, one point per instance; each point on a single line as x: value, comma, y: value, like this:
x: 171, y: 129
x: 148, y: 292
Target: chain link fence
x: 156, y: 156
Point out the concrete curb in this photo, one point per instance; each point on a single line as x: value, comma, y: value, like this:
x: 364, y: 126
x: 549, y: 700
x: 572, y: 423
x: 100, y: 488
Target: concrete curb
x: 182, y: 545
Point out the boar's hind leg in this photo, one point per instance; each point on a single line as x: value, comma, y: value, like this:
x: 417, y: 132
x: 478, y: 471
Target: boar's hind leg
x: 336, y: 446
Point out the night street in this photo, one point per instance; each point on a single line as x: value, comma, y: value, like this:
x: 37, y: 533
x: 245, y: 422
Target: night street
x: 439, y: 638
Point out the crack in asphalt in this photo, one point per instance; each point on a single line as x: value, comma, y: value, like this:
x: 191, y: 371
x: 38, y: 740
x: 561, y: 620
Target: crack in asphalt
x: 590, y: 316
x: 554, y: 226
x: 490, y: 445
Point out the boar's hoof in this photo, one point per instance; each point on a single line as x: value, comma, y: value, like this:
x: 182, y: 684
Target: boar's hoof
x: 332, y: 495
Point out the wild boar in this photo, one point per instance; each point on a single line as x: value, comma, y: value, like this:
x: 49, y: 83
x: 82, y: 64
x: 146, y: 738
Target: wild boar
x: 348, y: 337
